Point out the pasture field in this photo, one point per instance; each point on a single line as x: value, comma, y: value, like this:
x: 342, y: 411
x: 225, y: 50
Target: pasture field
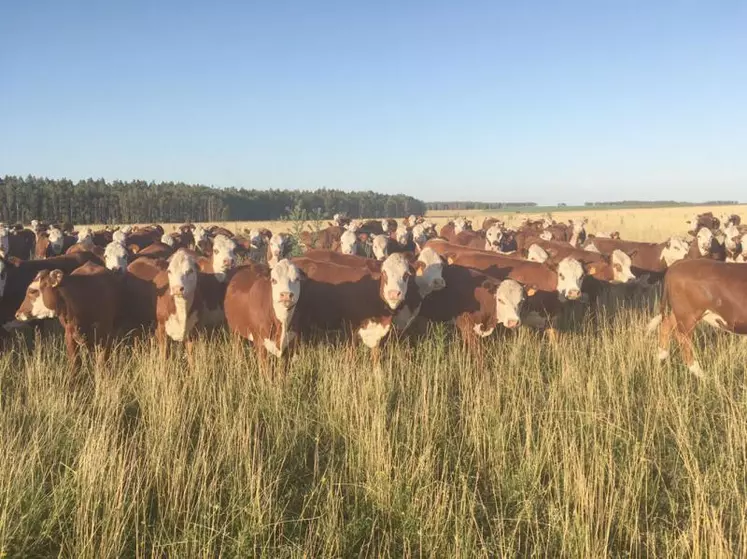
x: 589, y: 449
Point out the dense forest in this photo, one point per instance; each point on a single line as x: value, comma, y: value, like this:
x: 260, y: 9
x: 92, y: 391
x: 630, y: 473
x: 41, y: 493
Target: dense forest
x: 98, y: 201
x: 477, y: 205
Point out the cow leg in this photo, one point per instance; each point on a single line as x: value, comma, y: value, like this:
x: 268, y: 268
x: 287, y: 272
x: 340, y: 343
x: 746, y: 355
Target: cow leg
x: 163, y: 341
x: 71, y: 345
x: 189, y: 347
x: 684, y: 338
x: 665, y: 334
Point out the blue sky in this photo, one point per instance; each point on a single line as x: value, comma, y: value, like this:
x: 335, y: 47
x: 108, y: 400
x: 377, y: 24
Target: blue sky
x: 498, y: 101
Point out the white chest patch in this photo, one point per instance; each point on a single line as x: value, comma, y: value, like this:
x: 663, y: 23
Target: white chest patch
x: 179, y: 324
x: 404, y: 318
x: 714, y: 319
x: 373, y: 333
x: 481, y: 331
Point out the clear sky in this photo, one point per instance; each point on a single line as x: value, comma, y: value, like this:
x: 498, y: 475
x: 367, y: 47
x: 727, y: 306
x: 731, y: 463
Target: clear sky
x: 497, y: 101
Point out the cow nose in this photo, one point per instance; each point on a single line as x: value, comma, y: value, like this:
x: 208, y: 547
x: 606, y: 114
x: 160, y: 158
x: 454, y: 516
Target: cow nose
x: 573, y: 294
x: 512, y: 323
x: 439, y: 283
x: 177, y: 290
x: 227, y: 263
x: 286, y: 296
x: 393, y: 294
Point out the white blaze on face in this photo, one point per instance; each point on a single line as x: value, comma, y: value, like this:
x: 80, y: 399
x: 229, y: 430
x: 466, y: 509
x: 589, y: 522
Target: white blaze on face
x: 56, y: 240
x: 675, y: 249
x: 431, y: 279
x: 704, y: 238
x: 493, y: 238
x: 224, y: 257
x: 34, y: 224
x: 286, y: 289
x: 536, y: 253
x: 395, y: 272
x: 167, y: 239
x: 277, y: 247
x: 379, y: 245
x: 353, y: 226
x: 509, y: 298
x: 731, y: 237
x: 200, y: 234
x: 546, y: 236
x: 570, y: 276
x: 337, y: 219
x: 621, y: 263
x: 115, y: 256
x: 4, y: 241
x: 348, y: 243
x: 256, y: 240
x: 403, y: 235
x: 385, y: 226
x: 119, y: 236
x: 182, y: 275
x: 411, y: 220
x: 39, y: 309
x: 419, y: 234
x: 460, y: 224
x: 85, y: 237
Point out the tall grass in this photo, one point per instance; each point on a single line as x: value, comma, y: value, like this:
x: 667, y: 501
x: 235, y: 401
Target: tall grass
x: 587, y: 450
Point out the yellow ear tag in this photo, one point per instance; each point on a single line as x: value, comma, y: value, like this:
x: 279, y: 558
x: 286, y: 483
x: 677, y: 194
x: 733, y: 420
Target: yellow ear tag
x: 419, y: 272
x: 531, y: 291
x: 592, y: 270
x: 450, y: 260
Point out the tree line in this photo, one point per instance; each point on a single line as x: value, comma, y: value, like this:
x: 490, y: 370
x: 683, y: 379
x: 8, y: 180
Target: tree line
x: 98, y: 201
x: 477, y: 205
x: 660, y: 203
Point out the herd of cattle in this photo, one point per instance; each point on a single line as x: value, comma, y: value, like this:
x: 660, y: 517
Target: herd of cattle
x: 360, y: 280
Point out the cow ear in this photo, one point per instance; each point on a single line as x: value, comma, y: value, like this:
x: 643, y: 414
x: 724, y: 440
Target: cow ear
x: 590, y: 269
x: 55, y: 277
x: 530, y: 290
x: 632, y: 253
x: 419, y: 267
x: 490, y: 286
x: 450, y: 257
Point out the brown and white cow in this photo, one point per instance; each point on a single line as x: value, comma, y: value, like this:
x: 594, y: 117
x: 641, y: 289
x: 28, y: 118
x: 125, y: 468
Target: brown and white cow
x: 650, y: 259
x: 260, y: 305
x: 278, y: 248
x: 53, y: 243
x: 116, y: 257
x: 696, y: 291
x: 178, y: 304
x: 85, y: 301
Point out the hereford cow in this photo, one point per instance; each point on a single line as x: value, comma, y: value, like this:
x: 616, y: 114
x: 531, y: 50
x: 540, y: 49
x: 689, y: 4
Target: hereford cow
x: 695, y: 291
x: 650, y: 259
x: 53, y: 243
x: 278, y: 248
x: 260, y: 305
x: 116, y: 257
x: 85, y: 301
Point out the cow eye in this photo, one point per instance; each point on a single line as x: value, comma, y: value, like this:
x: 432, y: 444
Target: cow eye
x: 561, y: 276
x: 274, y: 281
x: 33, y: 291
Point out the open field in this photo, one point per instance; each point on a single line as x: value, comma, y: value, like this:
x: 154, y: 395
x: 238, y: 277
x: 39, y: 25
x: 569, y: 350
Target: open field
x: 589, y: 449
x: 644, y: 224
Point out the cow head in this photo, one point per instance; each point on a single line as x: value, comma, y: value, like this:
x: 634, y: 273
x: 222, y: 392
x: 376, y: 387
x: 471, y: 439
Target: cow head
x: 429, y: 277
x: 168, y: 240
x: 349, y: 243
x: 403, y: 235
x: 354, y: 225
x: 385, y: 226
x: 419, y: 234
x: 4, y: 241
x: 285, y: 278
x: 119, y: 236
x: 508, y: 298
x: 200, y: 234
x: 675, y: 249
x: 278, y: 248
x: 546, y: 236
x: 536, y: 253
x: 126, y: 229
x: 56, y: 241
x: 182, y: 274
x: 395, y: 274
x: 224, y: 256
x: 507, y: 243
x: 115, y: 256
x: 256, y: 239
x: 493, y: 238
x: 460, y: 224
x: 621, y: 263
x: 41, y: 296
x: 85, y: 238
x: 704, y: 239
x: 578, y: 231
x: 380, y: 246
x: 570, y: 275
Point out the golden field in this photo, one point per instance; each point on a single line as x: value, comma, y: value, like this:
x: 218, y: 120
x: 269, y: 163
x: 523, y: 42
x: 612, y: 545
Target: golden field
x: 589, y: 449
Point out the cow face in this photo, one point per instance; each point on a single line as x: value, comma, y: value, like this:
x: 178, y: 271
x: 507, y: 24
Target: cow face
x: 256, y: 240
x: 115, y: 257
x: 509, y: 297
x: 200, y: 234
x: 56, y: 240
x: 348, y: 243
x: 85, y: 237
x: 182, y: 275
x: 507, y: 243
x: 279, y: 244
x: 285, y: 278
x: 429, y: 278
x: 536, y: 253
x: 460, y: 224
x: 403, y: 235
x: 224, y: 256
x: 395, y: 273
x: 380, y: 246
x: 119, y: 236
x: 168, y: 240
x: 578, y: 230
x: 419, y: 234
x: 570, y: 275
x: 493, y: 238
x: 354, y: 225
x: 546, y: 236
x: 704, y: 238
x: 674, y: 250
x: 621, y: 263
x: 41, y: 296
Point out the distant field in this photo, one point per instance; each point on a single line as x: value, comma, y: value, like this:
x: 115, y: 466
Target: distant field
x: 591, y: 448
x: 642, y: 224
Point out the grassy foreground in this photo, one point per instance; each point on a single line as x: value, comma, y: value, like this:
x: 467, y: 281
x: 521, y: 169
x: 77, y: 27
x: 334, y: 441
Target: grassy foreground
x: 591, y: 450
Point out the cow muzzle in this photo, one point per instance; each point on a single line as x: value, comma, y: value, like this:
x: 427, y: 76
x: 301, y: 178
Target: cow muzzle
x: 177, y: 291
x: 287, y: 299
x: 573, y: 294
x: 22, y: 316
x: 393, y: 298
x: 439, y: 284
x: 513, y: 323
